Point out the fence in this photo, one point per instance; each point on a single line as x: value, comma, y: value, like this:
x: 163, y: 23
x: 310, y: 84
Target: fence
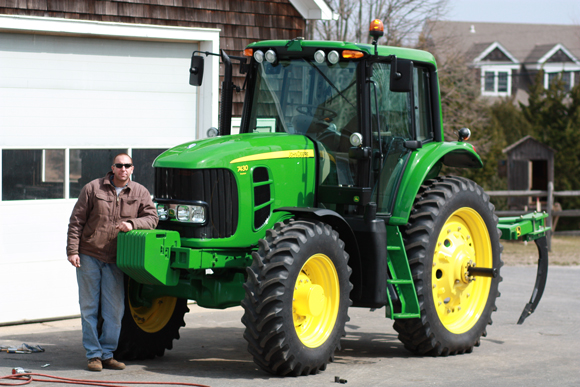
x: 550, y: 194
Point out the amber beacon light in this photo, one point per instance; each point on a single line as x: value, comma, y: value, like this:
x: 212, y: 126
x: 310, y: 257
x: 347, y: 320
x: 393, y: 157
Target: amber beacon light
x: 377, y: 29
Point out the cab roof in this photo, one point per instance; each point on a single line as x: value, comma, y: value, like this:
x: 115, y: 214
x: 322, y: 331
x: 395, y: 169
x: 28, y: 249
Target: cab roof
x: 300, y: 47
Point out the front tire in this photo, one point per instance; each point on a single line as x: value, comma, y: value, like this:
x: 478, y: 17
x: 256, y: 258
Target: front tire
x: 297, y: 298
x: 147, y: 331
x: 452, y: 227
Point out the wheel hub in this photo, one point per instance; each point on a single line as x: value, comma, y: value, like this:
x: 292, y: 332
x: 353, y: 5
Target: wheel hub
x: 309, y: 298
x: 462, y: 243
x: 315, y: 300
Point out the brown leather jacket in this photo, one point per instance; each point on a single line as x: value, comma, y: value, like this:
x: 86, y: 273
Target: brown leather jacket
x: 98, y: 211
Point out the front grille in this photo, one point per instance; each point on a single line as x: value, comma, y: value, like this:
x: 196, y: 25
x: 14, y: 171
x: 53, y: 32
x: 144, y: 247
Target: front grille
x: 216, y: 187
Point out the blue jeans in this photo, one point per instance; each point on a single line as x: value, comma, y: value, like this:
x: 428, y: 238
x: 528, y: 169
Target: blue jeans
x: 102, y: 283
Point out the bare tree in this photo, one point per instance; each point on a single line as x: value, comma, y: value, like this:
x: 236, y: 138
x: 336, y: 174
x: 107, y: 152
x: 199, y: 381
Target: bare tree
x: 403, y: 19
x: 338, y: 29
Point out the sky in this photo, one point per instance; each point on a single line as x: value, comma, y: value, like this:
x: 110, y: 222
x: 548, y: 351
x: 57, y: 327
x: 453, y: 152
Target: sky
x: 515, y: 11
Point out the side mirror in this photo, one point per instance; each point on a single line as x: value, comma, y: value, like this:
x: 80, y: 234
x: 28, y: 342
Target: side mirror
x: 401, y: 75
x: 196, y: 70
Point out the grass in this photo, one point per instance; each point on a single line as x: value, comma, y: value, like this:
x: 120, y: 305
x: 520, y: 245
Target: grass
x: 565, y: 252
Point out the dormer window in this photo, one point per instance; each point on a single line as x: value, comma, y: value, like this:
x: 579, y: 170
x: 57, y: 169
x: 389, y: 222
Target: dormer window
x: 496, y: 81
x: 566, y: 77
x: 557, y: 63
x: 496, y: 65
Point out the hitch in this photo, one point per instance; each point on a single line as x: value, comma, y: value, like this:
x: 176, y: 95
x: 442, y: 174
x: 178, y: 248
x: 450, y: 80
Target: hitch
x: 530, y: 227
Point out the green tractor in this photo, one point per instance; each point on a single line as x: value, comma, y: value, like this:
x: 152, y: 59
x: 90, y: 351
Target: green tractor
x: 329, y: 198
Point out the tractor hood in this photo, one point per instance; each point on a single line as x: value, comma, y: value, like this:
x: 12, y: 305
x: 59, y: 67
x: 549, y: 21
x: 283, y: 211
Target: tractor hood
x: 224, y: 152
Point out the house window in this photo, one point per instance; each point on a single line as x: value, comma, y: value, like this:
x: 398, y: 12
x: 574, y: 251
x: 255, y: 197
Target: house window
x: 496, y: 82
x: 489, y: 81
x: 566, y: 77
x: 502, y: 82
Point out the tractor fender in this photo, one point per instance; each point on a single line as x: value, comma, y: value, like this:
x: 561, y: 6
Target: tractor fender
x: 338, y: 223
x: 425, y: 163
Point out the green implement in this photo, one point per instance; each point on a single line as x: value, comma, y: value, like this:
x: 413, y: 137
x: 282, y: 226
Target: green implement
x: 530, y: 227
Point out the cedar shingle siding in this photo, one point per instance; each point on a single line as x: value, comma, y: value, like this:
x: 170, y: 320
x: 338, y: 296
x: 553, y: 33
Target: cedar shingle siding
x: 241, y: 22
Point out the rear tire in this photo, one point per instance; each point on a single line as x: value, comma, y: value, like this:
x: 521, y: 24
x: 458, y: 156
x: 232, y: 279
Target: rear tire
x: 452, y: 226
x: 297, y: 298
x: 147, y: 332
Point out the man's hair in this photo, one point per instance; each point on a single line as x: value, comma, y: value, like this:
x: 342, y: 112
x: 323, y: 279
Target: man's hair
x: 122, y: 154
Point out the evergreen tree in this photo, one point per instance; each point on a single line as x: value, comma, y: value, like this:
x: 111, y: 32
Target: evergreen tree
x: 554, y: 116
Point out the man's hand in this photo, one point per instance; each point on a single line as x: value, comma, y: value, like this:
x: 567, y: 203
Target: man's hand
x: 75, y: 260
x: 125, y: 226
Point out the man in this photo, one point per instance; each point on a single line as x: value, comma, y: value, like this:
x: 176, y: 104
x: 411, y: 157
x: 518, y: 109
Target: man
x: 105, y: 206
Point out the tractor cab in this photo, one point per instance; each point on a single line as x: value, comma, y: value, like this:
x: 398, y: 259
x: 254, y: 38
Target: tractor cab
x: 364, y: 120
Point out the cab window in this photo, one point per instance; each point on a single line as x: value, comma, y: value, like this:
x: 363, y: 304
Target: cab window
x: 422, y: 102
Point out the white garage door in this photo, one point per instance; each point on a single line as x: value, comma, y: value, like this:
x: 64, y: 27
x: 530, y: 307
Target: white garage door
x: 76, y: 91
x: 67, y: 104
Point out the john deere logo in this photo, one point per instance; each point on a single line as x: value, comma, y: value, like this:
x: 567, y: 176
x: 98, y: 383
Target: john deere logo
x: 356, y: 199
x: 301, y: 154
x: 171, y: 212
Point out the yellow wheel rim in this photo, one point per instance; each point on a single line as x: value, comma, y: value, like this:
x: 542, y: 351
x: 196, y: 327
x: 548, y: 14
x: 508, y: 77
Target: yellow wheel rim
x: 459, y: 299
x: 316, y: 300
x: 152, y: 319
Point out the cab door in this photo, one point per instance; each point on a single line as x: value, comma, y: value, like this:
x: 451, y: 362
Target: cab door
x: 401, y: 122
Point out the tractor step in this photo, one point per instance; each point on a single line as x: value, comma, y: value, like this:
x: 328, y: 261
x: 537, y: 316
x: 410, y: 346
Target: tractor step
x: 402, y: 281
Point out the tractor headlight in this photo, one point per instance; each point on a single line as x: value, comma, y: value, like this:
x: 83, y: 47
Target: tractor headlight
x: 319, y: 56
x: 212, y: 132
x: 333, y: 57
x: 162, y: 211
x: 259, y: 56
x: 356, y: 139
x: 270, y: 56
x: 190, y: 213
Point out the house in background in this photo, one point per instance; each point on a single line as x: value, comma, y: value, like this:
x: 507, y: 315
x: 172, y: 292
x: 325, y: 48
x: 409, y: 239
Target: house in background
x: 81, y: 81
x: 507, y: 56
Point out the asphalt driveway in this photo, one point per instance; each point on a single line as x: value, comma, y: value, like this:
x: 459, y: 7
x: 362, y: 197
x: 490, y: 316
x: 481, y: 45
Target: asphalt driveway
x: 544, y: 351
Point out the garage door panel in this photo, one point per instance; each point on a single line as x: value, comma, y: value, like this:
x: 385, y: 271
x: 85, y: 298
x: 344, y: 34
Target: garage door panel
x: 137, y: 70
x: 72, y: 91
x: 46, y: 72
x: 62, y: 117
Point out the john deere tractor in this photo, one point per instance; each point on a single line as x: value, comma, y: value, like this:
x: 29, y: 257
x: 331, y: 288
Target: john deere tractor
x: 329, y: 198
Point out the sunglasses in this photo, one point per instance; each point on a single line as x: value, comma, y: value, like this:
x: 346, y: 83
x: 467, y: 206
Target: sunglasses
x: 119, y: 165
